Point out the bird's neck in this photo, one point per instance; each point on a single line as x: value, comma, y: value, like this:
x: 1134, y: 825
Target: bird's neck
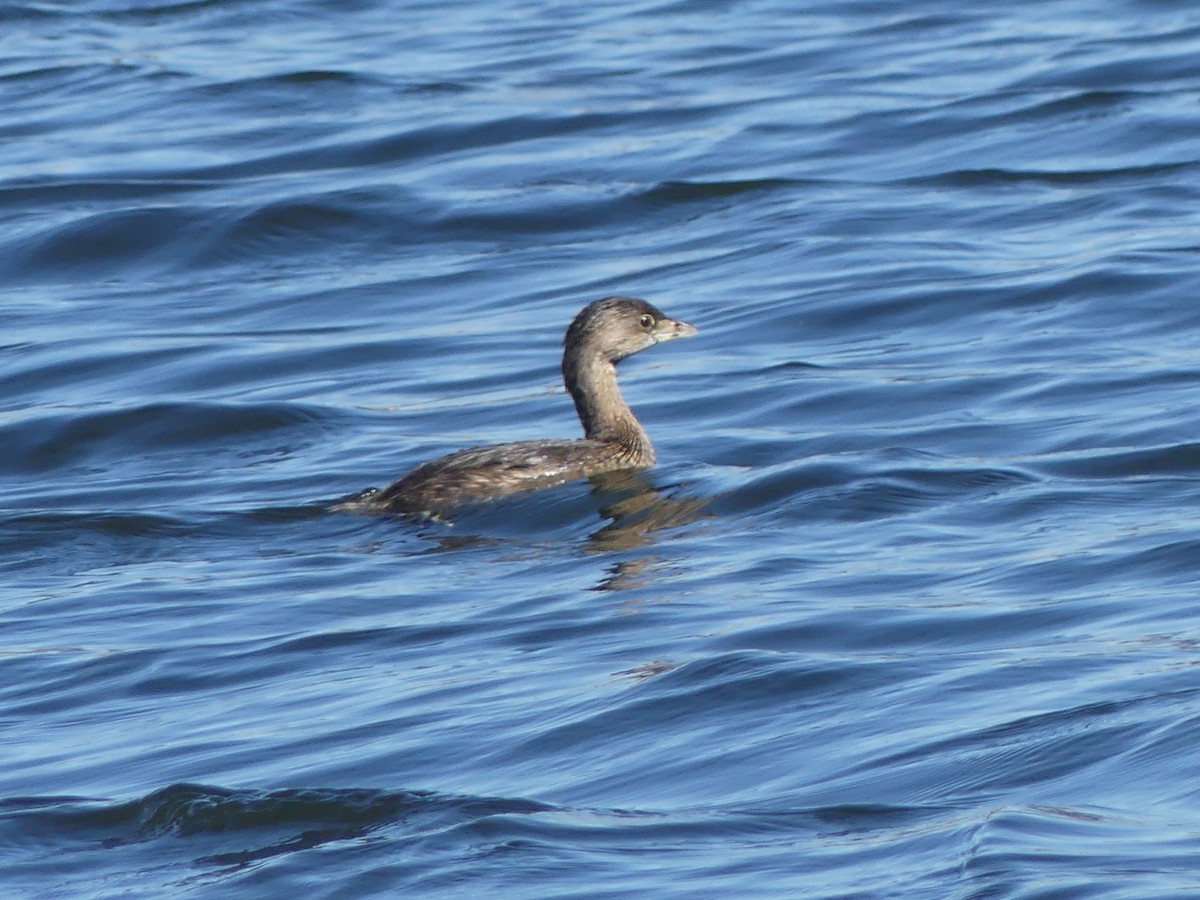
x: 592, y: 382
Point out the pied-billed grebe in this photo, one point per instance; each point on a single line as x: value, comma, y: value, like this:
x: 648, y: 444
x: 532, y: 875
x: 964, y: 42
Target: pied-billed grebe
x: 603, y: 333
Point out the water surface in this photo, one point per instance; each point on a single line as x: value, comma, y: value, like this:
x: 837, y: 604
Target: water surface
x: 907, y: 607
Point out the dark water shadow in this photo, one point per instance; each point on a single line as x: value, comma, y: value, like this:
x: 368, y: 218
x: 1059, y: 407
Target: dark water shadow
x: 226, y: 830
x: 206, y: 833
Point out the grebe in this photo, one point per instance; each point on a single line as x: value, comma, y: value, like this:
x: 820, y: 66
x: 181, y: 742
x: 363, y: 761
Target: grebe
x: 604, y: 333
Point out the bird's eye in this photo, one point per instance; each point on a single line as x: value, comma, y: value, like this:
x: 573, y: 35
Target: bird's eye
x: 646, y: 321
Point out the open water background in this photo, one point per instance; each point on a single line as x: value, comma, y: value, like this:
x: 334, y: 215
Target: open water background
x: 909, y: 607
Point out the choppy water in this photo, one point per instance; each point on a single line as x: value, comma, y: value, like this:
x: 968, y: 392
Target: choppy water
x: 909, y: 606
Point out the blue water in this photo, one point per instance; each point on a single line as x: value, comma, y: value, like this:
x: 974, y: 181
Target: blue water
x: 908, y: 608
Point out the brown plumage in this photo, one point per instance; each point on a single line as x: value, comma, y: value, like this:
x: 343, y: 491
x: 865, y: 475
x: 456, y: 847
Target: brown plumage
x: 603, y: 333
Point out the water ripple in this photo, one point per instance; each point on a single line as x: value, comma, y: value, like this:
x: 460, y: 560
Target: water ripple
x: 909, y: 599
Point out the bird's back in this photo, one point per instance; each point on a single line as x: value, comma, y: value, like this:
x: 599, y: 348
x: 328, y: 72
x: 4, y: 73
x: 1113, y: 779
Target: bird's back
x: 485, y: 473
